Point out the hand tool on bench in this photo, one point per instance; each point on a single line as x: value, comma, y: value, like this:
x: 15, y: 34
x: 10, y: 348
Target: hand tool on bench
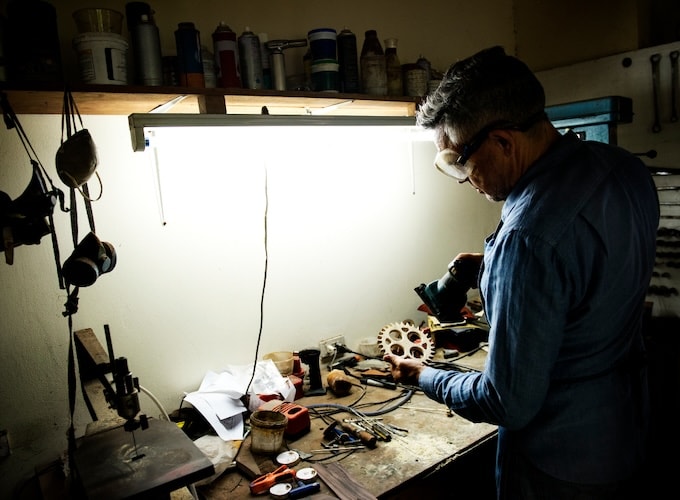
x: 263, y: 483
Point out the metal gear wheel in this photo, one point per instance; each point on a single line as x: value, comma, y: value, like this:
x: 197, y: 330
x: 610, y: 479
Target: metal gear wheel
x: 405, y: 340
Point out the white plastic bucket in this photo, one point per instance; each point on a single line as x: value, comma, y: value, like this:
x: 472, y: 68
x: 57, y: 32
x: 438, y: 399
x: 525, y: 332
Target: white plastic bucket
x: 102, y: 58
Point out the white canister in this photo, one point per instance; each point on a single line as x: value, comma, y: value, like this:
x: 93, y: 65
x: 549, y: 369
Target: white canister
x: 102, y: 58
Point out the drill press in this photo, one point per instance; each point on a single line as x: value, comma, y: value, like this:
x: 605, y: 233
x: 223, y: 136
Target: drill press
x: 278, y: 60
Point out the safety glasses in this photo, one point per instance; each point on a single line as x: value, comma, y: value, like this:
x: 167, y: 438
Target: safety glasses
x: 456, y: 165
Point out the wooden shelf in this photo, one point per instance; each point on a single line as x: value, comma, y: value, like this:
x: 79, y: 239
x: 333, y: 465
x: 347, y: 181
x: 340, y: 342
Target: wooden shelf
x: 126, y: 100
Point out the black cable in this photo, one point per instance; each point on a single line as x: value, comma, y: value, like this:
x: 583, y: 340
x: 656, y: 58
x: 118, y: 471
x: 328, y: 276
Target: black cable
x: 264, y: 282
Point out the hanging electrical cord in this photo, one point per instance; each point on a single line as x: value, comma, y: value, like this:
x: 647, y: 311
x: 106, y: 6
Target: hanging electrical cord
x: 264, y: 283
x: 156, y: 402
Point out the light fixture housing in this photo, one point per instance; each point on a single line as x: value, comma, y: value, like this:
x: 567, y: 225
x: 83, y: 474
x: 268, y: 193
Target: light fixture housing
x: 140, y: 121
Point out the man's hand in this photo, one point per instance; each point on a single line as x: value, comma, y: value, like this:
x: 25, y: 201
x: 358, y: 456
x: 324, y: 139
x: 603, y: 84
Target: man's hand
x: 404, y: 371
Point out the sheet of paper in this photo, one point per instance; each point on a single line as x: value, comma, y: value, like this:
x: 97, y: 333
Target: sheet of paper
x: 218, y: 398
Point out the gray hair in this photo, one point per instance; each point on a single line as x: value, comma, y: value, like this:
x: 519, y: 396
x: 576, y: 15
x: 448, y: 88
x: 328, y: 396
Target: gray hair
x: 487, y: 87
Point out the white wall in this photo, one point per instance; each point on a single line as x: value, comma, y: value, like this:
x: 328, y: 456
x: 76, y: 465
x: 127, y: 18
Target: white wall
x: 354, y: 223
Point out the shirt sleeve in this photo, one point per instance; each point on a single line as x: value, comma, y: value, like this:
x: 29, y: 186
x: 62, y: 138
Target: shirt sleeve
x: 525, y: 303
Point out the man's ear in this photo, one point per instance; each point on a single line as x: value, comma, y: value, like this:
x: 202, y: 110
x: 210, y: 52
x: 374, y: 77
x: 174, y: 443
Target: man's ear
x: 503, y: 139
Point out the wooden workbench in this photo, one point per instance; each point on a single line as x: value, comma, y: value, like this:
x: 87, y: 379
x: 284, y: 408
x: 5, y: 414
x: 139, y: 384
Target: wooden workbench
x: 436, y: 440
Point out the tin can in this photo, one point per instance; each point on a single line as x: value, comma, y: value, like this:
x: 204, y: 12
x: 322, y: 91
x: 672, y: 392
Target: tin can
x: 348, y: 61
x: 146, y: 46
x: 250, y: 56
x: 415, y: 80
x: 226, y: 56
x: 189, y: 60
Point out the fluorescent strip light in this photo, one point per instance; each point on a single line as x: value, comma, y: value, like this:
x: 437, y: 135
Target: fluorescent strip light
x: 139, y: 121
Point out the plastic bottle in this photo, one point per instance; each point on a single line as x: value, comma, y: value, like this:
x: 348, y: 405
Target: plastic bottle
x: 189, y: 59
x: 395, y: 85
x: 250, y: 55
x: 226, y: 56
x: 372, y: 62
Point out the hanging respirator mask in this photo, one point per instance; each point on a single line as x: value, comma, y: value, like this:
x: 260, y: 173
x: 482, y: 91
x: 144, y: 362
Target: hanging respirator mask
x: 24, y: 220
x: 90, y: 259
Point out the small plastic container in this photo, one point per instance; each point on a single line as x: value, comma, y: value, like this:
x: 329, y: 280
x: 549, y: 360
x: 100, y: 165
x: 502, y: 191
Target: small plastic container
x: 283, y: 361
x: 325, y: 76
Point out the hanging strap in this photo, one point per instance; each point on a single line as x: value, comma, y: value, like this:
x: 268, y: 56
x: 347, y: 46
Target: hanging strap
x: 12, y: 122
x: 69, y: 112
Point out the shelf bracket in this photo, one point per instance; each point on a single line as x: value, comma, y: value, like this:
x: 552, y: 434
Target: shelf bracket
x: 212, y: 105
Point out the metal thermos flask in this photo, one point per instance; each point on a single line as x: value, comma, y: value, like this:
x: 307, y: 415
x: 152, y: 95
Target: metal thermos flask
x: 146, y: 46
x: 250, y: 56
x: 225, y: 47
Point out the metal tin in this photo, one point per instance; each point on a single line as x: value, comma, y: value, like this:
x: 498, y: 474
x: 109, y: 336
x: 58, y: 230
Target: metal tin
x: 189, y: 60
x: 348, y: 60
x: 146, y: 46
x: 250, y: 56
x: 415, y: 80
x: 226, y: 56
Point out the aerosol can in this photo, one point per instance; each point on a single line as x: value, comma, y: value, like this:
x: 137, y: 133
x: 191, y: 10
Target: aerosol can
x: 278, y: 61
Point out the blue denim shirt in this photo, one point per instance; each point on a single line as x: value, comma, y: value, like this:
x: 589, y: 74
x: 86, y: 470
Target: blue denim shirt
x: 564, y: 282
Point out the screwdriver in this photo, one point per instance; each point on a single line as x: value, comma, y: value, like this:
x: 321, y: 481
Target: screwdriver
x: 366, y: 438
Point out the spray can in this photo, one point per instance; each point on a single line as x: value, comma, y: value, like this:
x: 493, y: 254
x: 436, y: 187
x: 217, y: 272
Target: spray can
x: 226, y: 56
x: 189, y: 60
x: 250, y: 56
x: 349, y: 64
x: 146, y: 44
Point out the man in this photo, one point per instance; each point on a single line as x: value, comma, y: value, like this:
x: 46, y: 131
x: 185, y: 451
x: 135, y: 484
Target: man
x: 563, y: 283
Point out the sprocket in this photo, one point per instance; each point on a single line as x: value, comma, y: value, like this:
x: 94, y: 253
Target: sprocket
x: 405, y: 340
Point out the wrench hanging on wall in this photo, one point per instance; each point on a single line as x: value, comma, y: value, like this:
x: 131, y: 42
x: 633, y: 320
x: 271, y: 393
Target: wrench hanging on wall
x: 655, y: 59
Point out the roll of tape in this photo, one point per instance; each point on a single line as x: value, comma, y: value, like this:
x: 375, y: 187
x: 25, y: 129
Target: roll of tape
x: 289, y: 458
x: 306, y: 475
x: 280, y: 490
